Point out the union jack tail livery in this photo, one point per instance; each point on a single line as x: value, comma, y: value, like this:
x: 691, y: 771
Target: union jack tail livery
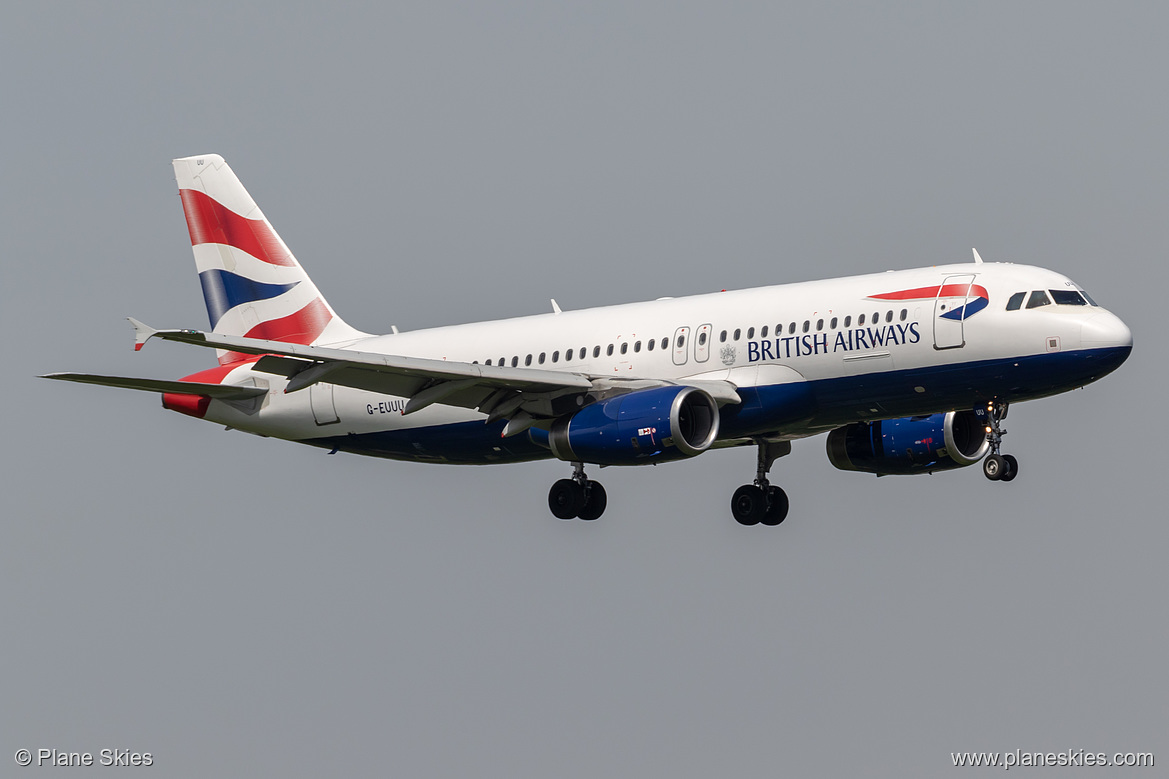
x: 252, y: 284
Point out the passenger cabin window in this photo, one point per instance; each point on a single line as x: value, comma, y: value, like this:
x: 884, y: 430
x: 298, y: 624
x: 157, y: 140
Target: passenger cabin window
x: 541, y: 358
x: 609, y: 350
x: 488, y: 361
x: 515, y: 361
x: 819, y: 325
x: 1016, y: 301
x: 528, y: 360
x: 637, y: 346
x: 596, y: 351
x: 860, y: 320
x: 807, y: 325
x: 763, y: 332
x: 888, y: 316
x: 847, y: 321
x: 624, y: 348
x: 750, y: 333
x: 722, y: 337
x: 650, y: 344
x: 556, y: 356
x: 1067, y: 297
x: 904, y: 313
x: 738, y: 332
x: 791, y: 329
x: 666, y: 342
x: 832, y: 324
x: 1038, y: 298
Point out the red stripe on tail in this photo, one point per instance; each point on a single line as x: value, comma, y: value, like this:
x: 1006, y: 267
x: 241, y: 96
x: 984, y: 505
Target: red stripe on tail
x: 210, y: 222
x: 303, y: 327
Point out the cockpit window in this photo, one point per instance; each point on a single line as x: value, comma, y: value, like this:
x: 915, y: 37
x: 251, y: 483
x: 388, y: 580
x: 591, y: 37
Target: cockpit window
x: 1038, y: 298
x: 1067, y: 297
x: 1088, y: 298
x: 1016, y: 301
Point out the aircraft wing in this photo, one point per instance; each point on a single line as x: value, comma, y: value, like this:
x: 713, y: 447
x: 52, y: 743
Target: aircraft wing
x: 521, y: 395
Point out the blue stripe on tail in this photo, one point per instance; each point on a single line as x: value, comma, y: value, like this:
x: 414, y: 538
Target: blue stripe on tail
x: 223, y: 291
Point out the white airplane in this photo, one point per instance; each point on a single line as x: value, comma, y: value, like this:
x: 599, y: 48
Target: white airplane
x: 907, y: 371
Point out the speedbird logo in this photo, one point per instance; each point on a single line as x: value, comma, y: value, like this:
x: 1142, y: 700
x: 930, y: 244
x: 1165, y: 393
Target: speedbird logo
x: 975, y: 296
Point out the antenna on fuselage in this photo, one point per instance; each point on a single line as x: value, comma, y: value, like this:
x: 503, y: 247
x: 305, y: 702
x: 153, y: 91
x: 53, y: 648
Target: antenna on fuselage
x: 977, y: 259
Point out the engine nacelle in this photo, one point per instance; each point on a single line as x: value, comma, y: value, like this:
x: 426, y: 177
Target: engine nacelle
x: 642, y: 427
x: 911, y: 445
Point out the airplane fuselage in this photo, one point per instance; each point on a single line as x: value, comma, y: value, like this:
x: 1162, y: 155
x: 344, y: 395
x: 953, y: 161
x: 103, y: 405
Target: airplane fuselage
x: 806, y: 357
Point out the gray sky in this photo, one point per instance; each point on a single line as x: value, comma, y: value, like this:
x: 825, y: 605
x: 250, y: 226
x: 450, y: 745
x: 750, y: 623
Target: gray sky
x: 239, y: 606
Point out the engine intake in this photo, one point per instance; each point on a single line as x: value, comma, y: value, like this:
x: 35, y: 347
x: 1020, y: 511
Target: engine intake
x: 651, y: 425
x: 911, y: 445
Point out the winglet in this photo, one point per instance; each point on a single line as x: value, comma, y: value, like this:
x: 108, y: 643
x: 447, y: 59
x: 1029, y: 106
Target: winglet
x: 142, y: 333
x: 555, y: 306
x: 977, y: 259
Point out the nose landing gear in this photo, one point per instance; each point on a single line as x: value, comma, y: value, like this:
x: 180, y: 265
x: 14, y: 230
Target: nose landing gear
x: 996, y: 466
x: 762, y: 502
x: 578, y: 497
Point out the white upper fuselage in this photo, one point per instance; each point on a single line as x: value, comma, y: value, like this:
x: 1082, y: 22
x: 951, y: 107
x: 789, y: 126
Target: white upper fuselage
x: 804, y: 332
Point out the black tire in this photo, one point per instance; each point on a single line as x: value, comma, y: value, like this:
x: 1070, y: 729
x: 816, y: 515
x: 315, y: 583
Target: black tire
x: 748, y: 505
x: 595, y: 501
x: 994, y: 467
x: 1012, y: 467
x: 777, y: 507
x: 566, y: 499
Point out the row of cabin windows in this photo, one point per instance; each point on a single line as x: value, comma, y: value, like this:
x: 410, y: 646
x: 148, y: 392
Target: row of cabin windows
x: 807, y: 326
x: 1061, y: 297
x: 573, y: 353
x: 665, y: 342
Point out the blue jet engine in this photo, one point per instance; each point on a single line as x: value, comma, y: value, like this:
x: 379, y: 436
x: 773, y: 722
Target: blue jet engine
x: 911, y: 445
x: 640, y: 427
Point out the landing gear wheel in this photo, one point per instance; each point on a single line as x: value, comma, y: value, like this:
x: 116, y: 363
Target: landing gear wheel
x: 595, y: 501
x: 776, y: 506
x: 995, y: 467
x: 566, y: 499
x: 1012, y: 467
x: 748, y: 505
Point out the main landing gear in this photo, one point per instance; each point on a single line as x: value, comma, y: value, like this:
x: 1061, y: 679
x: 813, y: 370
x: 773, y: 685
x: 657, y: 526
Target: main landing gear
x: 762, y: 502
x: 996, y: 466
x: 578, y: 497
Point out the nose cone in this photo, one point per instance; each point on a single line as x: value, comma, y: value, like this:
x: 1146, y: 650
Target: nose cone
x: 1104, y: 330
x: 1106, y: 343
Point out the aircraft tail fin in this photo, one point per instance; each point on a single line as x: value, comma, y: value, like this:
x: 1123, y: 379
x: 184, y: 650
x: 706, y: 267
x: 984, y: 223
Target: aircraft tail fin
x: 252, y: 284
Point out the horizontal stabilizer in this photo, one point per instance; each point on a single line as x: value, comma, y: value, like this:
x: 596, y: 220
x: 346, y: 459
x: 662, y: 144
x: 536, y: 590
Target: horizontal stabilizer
x: 216, y: 391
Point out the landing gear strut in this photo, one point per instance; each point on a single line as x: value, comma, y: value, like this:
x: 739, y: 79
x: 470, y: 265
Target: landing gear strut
x: 996, y: 466
x: 577, y: 497
x: 762, y: 502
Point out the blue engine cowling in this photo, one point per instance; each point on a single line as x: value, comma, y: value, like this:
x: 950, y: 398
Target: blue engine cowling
x: 912, y: 445
x: 641, y: 427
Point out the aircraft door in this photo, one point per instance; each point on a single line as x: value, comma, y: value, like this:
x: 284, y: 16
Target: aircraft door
x: 681, y: 336
x: 320, y: 396
x: 949, y: 308
x: 702, y: 344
